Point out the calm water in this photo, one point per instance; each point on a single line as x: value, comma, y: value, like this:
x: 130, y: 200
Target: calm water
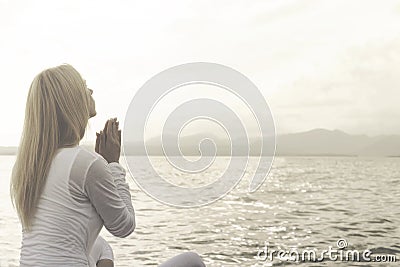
x: 305, y: 203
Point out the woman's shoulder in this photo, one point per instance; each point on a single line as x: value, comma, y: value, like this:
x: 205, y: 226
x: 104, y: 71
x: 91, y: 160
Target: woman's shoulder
x: 85, y: 160
x: 89, y: 154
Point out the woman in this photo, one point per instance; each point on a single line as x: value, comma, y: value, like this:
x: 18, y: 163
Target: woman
x: 101, y: 254
x: 63, y: 193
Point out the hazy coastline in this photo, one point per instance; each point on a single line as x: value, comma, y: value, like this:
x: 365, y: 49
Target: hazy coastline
x: 316, y: 142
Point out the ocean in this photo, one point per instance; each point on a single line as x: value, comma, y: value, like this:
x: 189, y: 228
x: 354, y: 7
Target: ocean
x: 306, y: 203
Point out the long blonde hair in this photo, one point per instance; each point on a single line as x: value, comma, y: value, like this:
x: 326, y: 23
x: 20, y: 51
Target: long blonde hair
x: 56, y: 116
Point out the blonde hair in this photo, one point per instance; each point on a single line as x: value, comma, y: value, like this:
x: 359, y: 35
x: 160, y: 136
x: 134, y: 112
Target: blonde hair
x: 56, y: 115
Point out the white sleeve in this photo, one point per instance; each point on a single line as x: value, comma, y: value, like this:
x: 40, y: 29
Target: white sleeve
x: 101, y: 250
x: 106, y: 188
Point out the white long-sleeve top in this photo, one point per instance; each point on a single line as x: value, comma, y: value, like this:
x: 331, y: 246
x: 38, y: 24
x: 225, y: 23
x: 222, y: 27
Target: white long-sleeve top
x: 101, y: 250
x: 82, y: 193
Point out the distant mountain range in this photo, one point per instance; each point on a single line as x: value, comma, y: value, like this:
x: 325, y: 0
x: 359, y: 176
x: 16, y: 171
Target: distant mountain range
x: 317, y: 142
x: 326, y: 142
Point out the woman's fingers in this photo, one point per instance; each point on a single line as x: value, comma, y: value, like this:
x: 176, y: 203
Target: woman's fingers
x: 112, y: 131
x: 109, y: 131
x: 108, y: 125
x: 116, y: 134
x: 118, y: 130
x: 105, y: 130
x: 105, y: 126
x: 109, y: 141
x: 115, y: 131
x: 102, y: 144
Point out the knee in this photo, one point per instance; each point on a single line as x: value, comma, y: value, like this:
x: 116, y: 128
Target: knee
x: 186, y: 259
x: 195, y: 259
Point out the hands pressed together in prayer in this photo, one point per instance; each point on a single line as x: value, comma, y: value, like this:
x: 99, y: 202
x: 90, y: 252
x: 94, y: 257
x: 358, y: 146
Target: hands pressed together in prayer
x: 108, y: 141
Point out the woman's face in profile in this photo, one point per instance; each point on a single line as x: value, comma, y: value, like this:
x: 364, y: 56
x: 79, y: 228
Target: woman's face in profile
x: 92, y: 105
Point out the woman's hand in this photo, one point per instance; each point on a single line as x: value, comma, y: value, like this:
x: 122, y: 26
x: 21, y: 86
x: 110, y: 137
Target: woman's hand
x: 108, y: 141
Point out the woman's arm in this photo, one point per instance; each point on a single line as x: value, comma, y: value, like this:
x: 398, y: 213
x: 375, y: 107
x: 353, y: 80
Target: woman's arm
x: 105, y: 183
x: 106, y: 188
x: 105, y: 263
x: 102, y: 253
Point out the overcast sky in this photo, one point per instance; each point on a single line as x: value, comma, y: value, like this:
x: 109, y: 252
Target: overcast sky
x: 319, y: 64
